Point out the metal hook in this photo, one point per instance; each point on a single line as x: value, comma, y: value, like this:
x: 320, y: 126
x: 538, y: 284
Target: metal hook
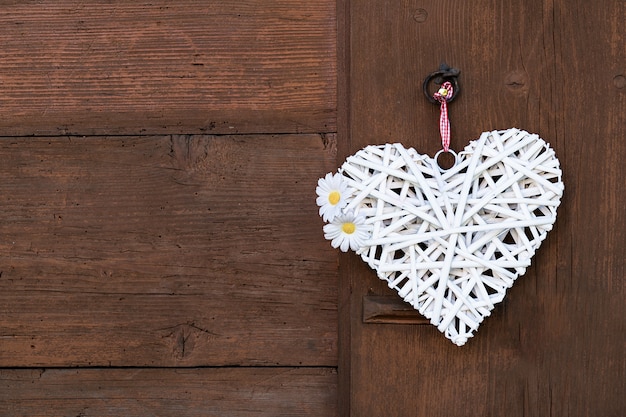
x: 443, y: 74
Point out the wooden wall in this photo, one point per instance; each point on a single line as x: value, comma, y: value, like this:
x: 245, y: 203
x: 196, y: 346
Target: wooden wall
x: 555, y: 346
x: 160, y: 249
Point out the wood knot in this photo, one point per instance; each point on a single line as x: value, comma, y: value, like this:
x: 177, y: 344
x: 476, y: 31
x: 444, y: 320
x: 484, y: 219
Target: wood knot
x: 184, y: 338
x: 420, y: 15
x: 516, y: 81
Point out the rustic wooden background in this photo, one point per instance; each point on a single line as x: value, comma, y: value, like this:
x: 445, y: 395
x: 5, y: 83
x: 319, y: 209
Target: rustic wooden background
x: 556, y: 346
x: 160, y: 249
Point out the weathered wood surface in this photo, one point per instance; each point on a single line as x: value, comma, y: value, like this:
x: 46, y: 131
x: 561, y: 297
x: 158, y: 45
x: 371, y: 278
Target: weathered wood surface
x: 556, y: 345
x: 189, y: 66
x: 165, y: 251
x: 208, y: 392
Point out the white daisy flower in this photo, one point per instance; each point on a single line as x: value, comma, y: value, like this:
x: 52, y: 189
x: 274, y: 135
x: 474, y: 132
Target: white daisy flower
x: 347, y: 231
x: 332, y: 194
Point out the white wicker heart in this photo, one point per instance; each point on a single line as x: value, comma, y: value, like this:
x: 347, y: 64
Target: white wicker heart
x: 450, y: 242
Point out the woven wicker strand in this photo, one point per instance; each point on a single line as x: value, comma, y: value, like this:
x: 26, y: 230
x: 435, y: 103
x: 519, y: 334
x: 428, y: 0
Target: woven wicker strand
x: 452, y: 242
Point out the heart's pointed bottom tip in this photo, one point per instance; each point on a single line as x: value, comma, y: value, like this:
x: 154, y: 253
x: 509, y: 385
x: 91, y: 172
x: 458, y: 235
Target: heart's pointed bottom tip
x: 460, y: 341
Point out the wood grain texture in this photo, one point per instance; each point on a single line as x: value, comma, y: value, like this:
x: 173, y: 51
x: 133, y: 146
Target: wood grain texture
x: 190, y: 66
x: 169, y: 392
x: 165, y: 251
x: 555, y: 346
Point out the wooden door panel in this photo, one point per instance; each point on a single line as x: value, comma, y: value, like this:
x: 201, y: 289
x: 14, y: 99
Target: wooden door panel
x: 555, y: 345
x: 244, y: 392
x: 165, y: 251
x: 114, y: 67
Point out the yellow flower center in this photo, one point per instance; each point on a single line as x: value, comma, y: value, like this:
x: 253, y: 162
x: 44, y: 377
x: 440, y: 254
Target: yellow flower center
x: 334, y: 197
x: 348, y: 228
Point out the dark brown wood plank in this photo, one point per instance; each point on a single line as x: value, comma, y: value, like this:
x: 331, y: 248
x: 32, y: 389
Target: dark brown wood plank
x: 555, y: 346
x: 169, y: 392
x: 165, y: 251
x: 190, y: 66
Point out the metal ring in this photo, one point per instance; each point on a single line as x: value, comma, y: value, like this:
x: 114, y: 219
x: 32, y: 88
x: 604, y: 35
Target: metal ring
x: 436, y: 159
x: 443, y: 74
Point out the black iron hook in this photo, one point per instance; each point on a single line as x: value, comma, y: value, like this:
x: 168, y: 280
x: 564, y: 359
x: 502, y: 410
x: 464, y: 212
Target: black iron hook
x: 443, y: 74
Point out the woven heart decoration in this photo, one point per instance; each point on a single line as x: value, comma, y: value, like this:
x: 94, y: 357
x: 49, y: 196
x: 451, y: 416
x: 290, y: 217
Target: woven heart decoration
x: 450, y: 242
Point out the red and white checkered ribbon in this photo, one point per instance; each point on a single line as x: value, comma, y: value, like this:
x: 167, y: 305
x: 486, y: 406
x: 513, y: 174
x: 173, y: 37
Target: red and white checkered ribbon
x: 443, y: 95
